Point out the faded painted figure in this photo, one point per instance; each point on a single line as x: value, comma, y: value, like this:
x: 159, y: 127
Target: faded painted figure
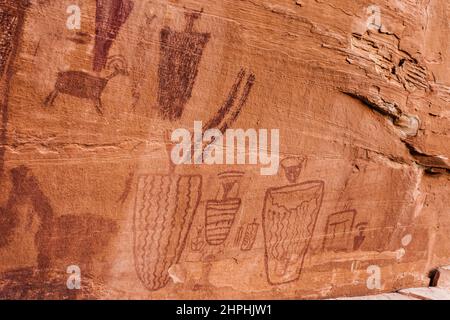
x: 67, y: 238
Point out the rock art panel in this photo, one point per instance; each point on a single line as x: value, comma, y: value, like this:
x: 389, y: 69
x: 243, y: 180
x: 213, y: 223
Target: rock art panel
x: 92, y: 91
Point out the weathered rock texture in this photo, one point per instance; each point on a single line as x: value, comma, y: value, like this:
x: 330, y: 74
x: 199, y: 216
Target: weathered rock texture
x: 360, y: 91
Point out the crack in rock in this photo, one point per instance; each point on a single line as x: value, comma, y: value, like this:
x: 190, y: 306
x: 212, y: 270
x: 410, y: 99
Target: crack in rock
x: 432, y: 163
x: 407, y: 124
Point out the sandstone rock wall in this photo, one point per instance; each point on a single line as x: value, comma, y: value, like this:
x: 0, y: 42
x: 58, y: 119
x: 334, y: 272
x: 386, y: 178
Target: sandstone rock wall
x: 360, y: 94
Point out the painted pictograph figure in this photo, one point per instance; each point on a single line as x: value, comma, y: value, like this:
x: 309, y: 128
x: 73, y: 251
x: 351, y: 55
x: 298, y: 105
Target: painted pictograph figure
x: 292, y: 167
x: 338, y: 233
x: 238, y: 236
x: 230, y: 110
x: 289, y: 218
x: 198, y: 241
x: 251, y: 231
x: 220, y: 216
x: 81, y: 84
x: 164, y: 211
x: 221, y: 213
x: 180, y: 57
x: 109, y: 18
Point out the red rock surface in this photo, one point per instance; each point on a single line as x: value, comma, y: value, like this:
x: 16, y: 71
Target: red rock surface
x: 360, y: 93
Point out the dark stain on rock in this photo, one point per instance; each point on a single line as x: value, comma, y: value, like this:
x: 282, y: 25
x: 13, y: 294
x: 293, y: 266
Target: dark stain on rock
x: 12, y: 17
